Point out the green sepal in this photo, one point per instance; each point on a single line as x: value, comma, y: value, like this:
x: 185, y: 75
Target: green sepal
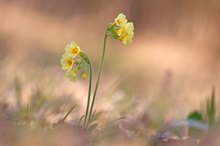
x: 112, y: 31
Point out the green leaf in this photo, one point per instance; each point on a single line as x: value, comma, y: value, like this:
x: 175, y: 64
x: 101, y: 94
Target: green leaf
x: 195, y: 115
x: 211, y: 109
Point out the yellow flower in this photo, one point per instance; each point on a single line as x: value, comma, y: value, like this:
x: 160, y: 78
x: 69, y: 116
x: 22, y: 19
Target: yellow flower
x: 84, y: 75
x: 72, y: 74
x: 120, y: 20
x: 121, y: 29
x: 67, y: 62
x: 72, y: 49
x: 126, y: 33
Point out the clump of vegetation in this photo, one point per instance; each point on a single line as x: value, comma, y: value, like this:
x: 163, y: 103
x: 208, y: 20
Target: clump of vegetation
x: 208, y: 113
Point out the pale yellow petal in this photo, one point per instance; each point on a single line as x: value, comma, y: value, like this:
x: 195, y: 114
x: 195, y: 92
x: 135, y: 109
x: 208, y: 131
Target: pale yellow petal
x: 72, y: 49
x: 66, y: 62
x: 120, y: 20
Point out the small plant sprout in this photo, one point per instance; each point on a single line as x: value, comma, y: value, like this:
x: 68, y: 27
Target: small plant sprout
x: 75, y: 61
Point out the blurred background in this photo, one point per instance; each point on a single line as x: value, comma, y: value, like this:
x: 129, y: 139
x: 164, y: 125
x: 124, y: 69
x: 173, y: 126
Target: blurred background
x: 172, y: 63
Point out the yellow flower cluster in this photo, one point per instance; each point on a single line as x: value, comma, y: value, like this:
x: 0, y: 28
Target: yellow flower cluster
x: 69, y: 58
x: 121, y: 29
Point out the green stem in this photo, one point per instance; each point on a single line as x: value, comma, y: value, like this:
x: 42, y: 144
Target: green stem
x: 86, y: 120
x: 99, y: 74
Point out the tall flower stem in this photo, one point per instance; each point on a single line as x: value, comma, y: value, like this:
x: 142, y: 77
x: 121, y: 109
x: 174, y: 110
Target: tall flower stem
x: 99, y: 74
x: 86, y: 120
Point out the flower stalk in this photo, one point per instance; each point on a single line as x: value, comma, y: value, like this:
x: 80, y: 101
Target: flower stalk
x: 75, y: 61
x: 99, y: 74
x: 86, y: 120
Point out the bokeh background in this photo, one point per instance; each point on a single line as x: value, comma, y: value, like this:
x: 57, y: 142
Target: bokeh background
x: 169, y: 69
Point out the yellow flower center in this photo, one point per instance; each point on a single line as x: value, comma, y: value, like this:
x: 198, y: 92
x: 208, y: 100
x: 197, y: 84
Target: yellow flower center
x: 74, y: 50
x: 69, y: 62
x: 118, y: 21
